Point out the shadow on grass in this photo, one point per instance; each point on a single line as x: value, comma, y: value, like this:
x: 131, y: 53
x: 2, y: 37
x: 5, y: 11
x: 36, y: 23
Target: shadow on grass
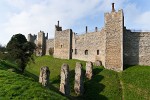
x: 4, y: 65
x: 30, y: 75
x: 56, y: 81
x: 127, y: 66
x: 93, y: 87
x: 13, y: 68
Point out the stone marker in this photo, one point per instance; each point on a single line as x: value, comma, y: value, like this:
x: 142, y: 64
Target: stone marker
x: 44, y: 76
x: 98, y: 63
x: 64, y: 82
x: 78, y: 86
x: 89, y: 68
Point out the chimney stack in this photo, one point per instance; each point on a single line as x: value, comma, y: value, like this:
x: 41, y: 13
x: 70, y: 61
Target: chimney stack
x: 113, y: 7
x: 58, y: 23
x: 96, y: 29
x: 86, y: 29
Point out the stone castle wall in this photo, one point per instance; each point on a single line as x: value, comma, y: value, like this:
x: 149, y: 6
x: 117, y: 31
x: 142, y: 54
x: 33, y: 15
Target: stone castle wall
x: 89, y: 46
x: 49, y: 45
x: 114, y: 46
x: 136, y: 48
x: 63, y: 44
x: 41, y: 43
x: 114, y: 40
x: 32, y: 38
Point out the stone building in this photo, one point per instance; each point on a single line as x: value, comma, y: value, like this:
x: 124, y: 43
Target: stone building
x: 113, y: 45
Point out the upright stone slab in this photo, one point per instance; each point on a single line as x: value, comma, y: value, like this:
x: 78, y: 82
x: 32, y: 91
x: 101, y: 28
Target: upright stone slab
x: 44, y: 76
x: 78, y: 86
x: 64, y: 83
x: 89, y: 68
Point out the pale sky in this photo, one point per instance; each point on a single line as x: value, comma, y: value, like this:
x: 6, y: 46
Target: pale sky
x: 31, y: 16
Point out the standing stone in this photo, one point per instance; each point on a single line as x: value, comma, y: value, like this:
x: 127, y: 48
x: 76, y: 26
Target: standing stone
x: 44, y: 76
x: 78, y: 86
x: 64, y: 82
x: 89, y: 68
x: 98, y: 63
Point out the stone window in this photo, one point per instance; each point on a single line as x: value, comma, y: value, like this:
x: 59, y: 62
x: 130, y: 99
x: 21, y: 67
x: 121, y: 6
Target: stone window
x: 97, y: 52
x: 61, y: 45
x: 86, y: 52
x: 75, y: 51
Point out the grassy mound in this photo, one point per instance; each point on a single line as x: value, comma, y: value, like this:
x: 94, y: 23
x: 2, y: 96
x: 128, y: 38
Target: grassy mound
x: 104, y: 84
x: 131, y: 84
x: 136, y: 82
x: 19, y: 87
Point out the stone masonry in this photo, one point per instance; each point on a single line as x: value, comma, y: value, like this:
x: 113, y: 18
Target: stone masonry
x: 89, y: 70
x: 44, y: 76
x: 78, y: 86
x: 113, y: 45
x: 64, y: 82
x: 114, y: 37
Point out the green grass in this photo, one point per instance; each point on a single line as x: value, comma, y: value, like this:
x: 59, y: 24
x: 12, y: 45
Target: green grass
x: 18, y: 87
x: 136, y: 82
x: 104, y: 84
x: 131, y: 84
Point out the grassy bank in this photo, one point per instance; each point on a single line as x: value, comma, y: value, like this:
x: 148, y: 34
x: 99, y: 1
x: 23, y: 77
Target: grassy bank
x: 18, y: 87
x: 136, y: 82
x: 104, y: 84
x: 131, y: 84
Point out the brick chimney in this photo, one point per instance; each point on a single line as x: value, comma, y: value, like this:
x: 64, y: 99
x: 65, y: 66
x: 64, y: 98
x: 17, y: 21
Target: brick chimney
x: 58, y: 24
x: 86, y: 30
x: 113, y: 7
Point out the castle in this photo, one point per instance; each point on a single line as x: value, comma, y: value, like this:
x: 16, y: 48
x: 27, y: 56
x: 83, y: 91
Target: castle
x: 113, y: 45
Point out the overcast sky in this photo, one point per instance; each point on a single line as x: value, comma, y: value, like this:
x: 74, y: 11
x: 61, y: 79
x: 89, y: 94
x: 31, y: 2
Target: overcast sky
x: 31, y: 16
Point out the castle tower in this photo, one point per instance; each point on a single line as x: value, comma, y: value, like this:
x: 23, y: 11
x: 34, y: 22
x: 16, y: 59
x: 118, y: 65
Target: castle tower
x: 32, y: 38
x: 29, y: 38
x: 41, y: 43
x: 62, y: 43
x: 114, y: 23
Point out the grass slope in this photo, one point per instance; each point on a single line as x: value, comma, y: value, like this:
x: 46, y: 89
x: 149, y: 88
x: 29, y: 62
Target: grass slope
x: 104, y: 84
x: 136, y: 82
x: 131, y: 84
x: 18, y: 87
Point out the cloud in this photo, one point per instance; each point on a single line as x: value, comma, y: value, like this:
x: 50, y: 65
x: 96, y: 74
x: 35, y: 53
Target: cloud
x: 136, y: 17
x: 143, y: 21
x: 34, y: 16
x: 31, y: 16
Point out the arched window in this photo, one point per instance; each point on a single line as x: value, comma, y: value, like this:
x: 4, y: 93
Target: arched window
x: 86, y: 52
x: 97, y: 52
